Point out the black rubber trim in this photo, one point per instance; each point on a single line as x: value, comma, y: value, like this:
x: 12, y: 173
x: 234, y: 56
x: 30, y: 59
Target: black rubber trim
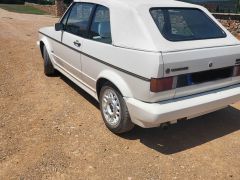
x: 173, y: 8
x: 238, y: 62
x: 99, y: 60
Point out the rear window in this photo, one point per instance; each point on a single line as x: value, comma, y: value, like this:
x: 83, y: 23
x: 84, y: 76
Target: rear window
x: 183, y: 24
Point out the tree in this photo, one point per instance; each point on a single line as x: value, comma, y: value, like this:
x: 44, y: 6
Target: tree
x: 68, y: 2
x: 238, y: 6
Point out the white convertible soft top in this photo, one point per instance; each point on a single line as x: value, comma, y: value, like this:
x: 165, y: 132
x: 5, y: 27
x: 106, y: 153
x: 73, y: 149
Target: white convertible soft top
x: 133, y: 27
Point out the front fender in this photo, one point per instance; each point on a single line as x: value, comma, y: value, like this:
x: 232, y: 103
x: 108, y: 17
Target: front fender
x: 117, y: 80
x: 48, y: 46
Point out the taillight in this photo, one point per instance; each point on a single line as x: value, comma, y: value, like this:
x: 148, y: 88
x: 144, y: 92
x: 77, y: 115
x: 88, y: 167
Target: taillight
x: 162, y: 84
x: 236, y: 71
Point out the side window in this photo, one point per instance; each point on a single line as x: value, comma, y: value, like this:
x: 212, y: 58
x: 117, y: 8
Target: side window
x: 158, y: 18
x: 78, y: 19
x: 64, y: 19
x: 100, y: 28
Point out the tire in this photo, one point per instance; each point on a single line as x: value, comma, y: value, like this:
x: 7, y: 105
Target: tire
x: 48, y: 66
x: 114, y: 110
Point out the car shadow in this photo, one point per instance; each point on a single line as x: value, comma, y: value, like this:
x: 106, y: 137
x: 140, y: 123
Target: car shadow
x: 183, y: 135
x: 188, y: 134
x: 80, y: 91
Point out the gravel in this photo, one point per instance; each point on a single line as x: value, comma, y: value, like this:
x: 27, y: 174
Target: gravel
x: 51, y: 129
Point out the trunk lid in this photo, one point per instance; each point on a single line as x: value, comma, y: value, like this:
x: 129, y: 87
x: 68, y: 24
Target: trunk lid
x: 197, y: 60
x: 204, y: 69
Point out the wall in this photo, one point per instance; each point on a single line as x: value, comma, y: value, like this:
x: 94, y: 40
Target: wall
x: 60, y: 7
x: 57, y: 10
x: 230, y: 21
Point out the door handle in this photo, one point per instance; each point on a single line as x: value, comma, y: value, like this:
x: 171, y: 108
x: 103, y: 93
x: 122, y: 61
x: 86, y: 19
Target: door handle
x: 77, y: 43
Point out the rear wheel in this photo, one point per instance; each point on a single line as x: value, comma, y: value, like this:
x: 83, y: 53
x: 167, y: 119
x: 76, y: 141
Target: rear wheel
x: 114, y: 110
x: 48, y: 67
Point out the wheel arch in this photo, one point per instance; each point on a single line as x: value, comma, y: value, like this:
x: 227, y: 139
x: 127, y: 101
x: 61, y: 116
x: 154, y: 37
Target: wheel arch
x: 41, y: 47
x: 44, y: 42
x: 116, y: 80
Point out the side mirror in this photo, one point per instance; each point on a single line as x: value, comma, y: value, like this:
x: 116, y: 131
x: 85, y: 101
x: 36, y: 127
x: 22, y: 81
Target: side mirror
x: 59, y: 26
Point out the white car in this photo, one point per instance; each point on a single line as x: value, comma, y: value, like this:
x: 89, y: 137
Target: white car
x: 147, y: 62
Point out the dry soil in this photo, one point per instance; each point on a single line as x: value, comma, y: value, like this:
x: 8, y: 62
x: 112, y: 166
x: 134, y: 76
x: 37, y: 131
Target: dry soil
x: 51, y: 129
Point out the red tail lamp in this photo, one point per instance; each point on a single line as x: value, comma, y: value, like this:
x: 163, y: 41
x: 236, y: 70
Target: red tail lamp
x: 236, y: 71
x: 161, y: 84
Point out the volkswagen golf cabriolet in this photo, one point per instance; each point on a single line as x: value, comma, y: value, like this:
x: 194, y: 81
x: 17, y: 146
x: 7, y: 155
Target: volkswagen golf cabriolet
x: 147, y: 62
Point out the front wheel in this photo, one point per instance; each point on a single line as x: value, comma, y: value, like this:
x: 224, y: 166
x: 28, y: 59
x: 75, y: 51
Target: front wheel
x: 114, y: 110
x: 48, y: 66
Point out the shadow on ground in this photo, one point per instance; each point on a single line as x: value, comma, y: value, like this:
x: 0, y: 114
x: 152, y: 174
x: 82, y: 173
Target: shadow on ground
x: 188, y: 134
x: 80, y: 91
x: 183, y: 135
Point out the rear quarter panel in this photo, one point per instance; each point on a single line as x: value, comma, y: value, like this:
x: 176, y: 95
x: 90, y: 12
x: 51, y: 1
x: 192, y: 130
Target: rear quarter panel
x: 133, y: 67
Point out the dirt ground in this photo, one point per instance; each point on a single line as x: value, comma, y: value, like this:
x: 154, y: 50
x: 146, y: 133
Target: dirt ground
x: 51, y: 129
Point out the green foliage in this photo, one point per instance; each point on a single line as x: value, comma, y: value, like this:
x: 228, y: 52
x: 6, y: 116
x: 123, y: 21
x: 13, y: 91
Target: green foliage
x: 46, y: 2
x: 43, y: 2
x: 22, y: 9
x: 68, y: 2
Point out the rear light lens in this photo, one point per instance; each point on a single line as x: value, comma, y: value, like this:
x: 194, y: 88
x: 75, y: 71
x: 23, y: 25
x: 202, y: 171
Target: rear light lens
x: 162, y: 84
x: 236, y: 71
x: 169, y: 83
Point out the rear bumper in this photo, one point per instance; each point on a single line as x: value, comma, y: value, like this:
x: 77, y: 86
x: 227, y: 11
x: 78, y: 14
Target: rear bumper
x: 149, y: 115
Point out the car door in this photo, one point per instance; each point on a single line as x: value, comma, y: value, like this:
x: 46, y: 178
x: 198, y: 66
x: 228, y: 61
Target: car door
x: 98, y: 43
x: 74, y: 32
x: 57, y: 46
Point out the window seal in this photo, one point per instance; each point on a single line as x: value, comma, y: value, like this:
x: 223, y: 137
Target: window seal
x: 67, y: 13
x: 92, y: 18
x: 70, y: 8
x: 191, y: 8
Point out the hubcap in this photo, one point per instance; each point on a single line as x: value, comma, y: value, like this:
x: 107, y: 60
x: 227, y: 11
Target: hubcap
x: 111, y: 107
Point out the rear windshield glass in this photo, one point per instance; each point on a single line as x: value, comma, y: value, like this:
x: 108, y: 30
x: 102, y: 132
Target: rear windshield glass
x: 182, y: 24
